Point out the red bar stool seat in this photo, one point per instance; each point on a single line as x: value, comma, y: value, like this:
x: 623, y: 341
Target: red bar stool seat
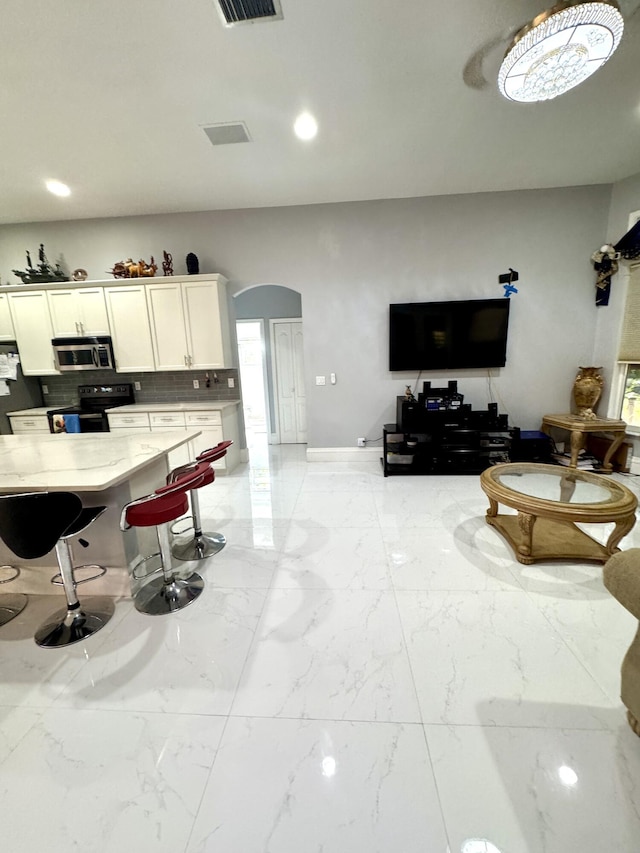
x: 170, y: 592
x: 31, y: 525
x: 201, y: 545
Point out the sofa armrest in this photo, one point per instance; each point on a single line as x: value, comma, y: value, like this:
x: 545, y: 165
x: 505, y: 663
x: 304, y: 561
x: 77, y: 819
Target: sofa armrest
x: 621, y: 577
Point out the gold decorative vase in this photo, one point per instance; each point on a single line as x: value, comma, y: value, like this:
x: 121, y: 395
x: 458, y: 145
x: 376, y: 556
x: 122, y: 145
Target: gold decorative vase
x: 587, y: 389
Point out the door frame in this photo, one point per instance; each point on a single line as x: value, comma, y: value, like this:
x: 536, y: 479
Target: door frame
x: 274, y: 369
x: 265, y: 378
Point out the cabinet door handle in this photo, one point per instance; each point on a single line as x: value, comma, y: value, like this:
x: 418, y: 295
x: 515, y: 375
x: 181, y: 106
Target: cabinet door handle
x: 77, y: 332
x: 186, y: 362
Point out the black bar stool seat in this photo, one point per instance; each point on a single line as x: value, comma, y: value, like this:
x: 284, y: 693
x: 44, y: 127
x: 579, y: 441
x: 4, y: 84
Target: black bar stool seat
x: 31, y: 525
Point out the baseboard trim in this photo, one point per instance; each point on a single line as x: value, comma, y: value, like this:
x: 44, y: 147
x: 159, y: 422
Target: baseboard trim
x: 341, y: 454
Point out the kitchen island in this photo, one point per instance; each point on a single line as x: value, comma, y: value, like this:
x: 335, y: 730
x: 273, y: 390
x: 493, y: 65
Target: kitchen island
x: 103, y: 469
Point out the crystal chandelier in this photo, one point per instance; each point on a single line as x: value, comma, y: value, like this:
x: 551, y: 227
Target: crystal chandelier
x: 559, y: 49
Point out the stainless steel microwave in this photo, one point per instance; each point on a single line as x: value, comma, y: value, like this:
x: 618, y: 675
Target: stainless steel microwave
x: 91, y: 353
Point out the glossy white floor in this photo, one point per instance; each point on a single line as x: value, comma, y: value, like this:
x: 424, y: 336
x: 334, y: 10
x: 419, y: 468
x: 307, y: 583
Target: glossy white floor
x: 368, y: 669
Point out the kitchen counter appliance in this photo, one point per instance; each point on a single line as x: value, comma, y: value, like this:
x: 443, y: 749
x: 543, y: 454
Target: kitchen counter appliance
x: 94, y: 401
x: 89, y: 353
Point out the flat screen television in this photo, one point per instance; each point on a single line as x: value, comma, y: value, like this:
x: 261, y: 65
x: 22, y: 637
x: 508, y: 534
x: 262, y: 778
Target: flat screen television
x: 447, y: 335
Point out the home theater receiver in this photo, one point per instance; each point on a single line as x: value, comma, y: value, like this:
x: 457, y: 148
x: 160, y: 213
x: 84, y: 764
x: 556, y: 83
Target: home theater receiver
x: 438, y: 434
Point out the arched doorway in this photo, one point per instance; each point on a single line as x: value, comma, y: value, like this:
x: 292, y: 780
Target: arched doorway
x: 270, y: 349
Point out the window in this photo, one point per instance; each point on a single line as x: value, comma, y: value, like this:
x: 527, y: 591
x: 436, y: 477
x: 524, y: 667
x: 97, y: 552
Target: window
x: 631, y: 396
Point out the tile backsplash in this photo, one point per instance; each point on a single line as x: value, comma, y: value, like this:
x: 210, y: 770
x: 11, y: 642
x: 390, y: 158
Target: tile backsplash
x: 165, y: 387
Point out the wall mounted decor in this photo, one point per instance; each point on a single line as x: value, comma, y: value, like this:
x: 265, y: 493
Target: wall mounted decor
x: 605, y: 263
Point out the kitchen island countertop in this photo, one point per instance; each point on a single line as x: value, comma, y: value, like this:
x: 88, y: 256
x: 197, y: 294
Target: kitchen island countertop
x: 85, y: 462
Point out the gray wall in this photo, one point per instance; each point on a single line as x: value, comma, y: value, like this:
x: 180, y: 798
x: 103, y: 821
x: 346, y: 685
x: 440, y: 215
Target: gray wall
x: 268, y: 302
x: 349, y: 261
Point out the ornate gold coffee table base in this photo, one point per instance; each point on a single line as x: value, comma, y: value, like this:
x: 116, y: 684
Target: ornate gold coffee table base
x: 548, y: 539
x: 550, y: 501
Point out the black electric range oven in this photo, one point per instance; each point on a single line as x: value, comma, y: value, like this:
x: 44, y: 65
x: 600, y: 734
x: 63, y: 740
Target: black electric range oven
x: 91, y: 410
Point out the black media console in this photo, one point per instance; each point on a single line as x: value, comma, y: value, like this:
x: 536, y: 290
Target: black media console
x: 439, y: 434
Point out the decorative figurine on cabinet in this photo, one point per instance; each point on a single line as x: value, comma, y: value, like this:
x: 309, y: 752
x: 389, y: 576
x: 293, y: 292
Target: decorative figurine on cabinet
x: 193, y: 264
x: 167, y: 263
x: 44, y: 272
x: 128, y: 269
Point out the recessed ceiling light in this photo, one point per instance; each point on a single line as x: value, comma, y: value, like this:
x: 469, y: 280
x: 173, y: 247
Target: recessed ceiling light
x: 305, y: 126
x: 58, y: 188
x: 559, y: 49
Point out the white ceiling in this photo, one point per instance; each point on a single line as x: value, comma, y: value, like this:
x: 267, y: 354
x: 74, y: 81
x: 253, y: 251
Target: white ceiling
x: 110, y: 97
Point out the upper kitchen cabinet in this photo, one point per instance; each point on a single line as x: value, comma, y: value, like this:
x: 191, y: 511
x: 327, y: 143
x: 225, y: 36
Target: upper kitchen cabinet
x: 190, y: 324
x: 7, y: 332
x: 33, y: 331
x: 130, y: 327
x: 78, y: 312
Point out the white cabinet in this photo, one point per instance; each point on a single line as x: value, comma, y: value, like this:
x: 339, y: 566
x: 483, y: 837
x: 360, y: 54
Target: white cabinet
x: 78, y: 312
x: 130, y: 328
x: 6, y: 323
x: 34, y: 331
x: 29, y: 424
x: 215, y: 426
x: 190, y: 324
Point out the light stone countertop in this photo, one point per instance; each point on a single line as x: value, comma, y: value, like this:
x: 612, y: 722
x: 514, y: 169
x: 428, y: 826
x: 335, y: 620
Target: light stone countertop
x: 212, y: 406
x: 38, y: 410
x: 85, y: 462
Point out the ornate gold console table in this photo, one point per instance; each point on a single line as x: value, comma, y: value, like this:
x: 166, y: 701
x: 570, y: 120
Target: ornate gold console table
x: 579, y: 427
x: 550, y: 500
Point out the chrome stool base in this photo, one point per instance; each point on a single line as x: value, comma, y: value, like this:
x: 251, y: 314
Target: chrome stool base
x: 161, y: 596
x: 199, y: 548
x: 66, y: 627
x: 11, y: 605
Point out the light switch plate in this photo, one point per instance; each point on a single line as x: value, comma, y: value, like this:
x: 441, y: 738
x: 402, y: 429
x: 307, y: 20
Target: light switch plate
x: 196, y: 383
x: 231, y: 382
x: 321, y: 380
x: 137, y: 386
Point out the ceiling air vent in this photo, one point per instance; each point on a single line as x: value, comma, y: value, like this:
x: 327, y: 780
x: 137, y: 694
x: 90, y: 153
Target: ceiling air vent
x: 249, y: 11
x: 227, y: 134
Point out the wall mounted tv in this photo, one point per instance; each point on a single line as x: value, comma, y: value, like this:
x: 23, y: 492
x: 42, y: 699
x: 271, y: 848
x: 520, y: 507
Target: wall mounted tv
x: 447, y: 335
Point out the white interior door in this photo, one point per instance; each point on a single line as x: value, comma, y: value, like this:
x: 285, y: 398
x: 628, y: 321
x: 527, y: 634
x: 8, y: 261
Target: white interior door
x: 289, y: 369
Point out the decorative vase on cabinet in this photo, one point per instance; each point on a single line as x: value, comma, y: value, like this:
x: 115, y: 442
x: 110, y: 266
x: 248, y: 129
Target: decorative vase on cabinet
x: 587, y: 390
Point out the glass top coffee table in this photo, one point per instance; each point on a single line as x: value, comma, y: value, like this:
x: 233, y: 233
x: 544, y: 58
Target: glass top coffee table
x: 550, y: 500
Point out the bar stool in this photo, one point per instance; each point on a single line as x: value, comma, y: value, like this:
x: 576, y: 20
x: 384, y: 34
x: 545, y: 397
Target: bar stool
x: 202, y: 545
x: 11, y: 604
x: 31, y: 525
x: 170, y: 592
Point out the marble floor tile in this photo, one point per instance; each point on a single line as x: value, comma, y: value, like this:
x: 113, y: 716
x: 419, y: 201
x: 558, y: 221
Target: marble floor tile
x: 598, y: 631
x: 333, y: 786
x: 440, y: 560
x: 346, y: 610
x: 32, y: 676
x: 333, y: 558
x: 530, y: 790
x: 427, y: 508
x: 334, y: 654
x: 188, y: 662
x: 479, y: 648
x: 15, y: 722
x: 62, y: 790
x: 339, y: 509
